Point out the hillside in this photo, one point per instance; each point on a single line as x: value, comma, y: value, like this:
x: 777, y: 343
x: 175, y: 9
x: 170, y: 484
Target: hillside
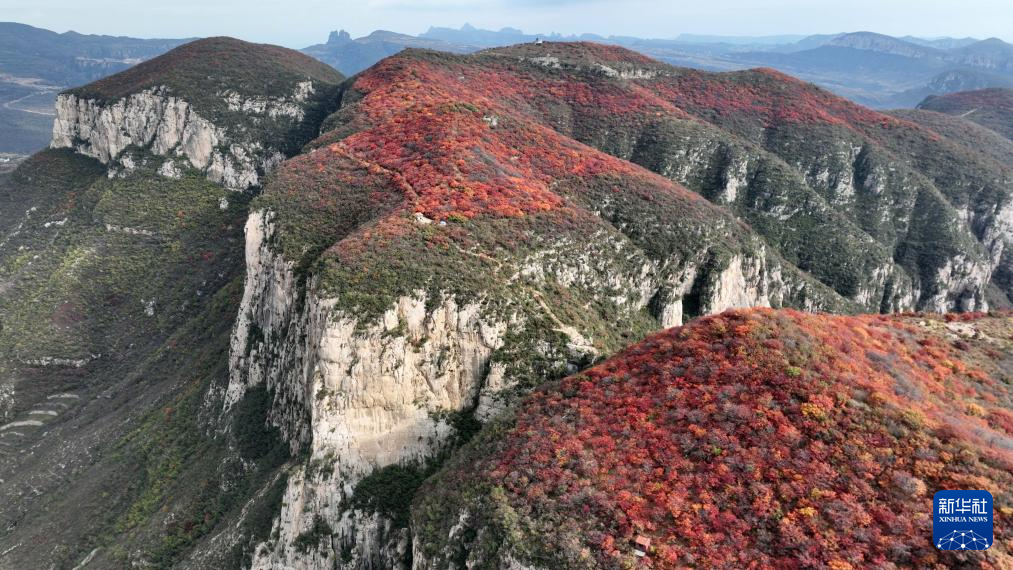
x: 785, y: 156
x: 70, y: 58
x: 119, y: 287
x: 456, y: 252
x: 882, y: 71
x: 962, y: 131
x: 880, y: 43
x: 767, y: 438
x: 990, y: 108
x: 991, y: 53
x: 871, y: 69
x: 203, y: 71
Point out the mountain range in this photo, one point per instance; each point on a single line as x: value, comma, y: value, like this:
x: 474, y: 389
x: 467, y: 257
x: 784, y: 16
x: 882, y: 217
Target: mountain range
x: 990, y: 108
x: 254, y: 313
x: 872, y: 69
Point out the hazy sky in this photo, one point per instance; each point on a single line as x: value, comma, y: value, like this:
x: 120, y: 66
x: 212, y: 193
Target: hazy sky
x: 297, y: 23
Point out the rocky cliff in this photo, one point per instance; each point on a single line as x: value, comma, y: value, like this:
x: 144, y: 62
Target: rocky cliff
x: 359, y: 394
x: 235, y: 134
x: 841, y: 191
x: 169, y: 128
x: 387, y: 314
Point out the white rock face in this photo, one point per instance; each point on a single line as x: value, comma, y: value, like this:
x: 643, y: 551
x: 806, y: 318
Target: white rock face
x: 169, y: 126
x: 170, y: 170
x: 268, y: 296
x: 963, y: 282
x: 360, y: 397
x: 547, y: 61
x: 364, y: 398
x: 273, y: 107
x: 740, y: 284
x: 6, y: 401
x: 627, y: 72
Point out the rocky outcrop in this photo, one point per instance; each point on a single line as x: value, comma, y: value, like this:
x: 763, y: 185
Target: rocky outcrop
x: 169, y: 126
x: 356, y: 396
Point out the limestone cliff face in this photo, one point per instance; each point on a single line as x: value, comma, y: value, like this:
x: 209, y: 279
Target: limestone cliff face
x: 374, y: 339
x: 355, y: 395
x: 170, y: 126
x: 850, y: 190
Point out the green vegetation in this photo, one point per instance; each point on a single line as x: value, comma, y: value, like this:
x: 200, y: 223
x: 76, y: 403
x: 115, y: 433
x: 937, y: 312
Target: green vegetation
x: 990, y: 108
x: 256, y: 527
x: 311, y: 539
x: 389, y: 490
x: 466, y: 178
x: 140, y: 247
x: 146, y: 272
x: 201, y: 71
x: 255, y: 439
x: 139, y: 277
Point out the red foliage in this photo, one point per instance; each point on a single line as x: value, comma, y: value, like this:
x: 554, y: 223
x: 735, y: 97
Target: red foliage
x: 993, y: 98
x: 451, y: 138
x: 765, y: 439
x: 489, y: 134
x: 466, y: 139
x: 768, y: 97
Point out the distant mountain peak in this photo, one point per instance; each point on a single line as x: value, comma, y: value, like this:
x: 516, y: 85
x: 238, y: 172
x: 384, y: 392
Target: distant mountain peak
x: 339, y: 38
x: 232, y: 108
x: 873, y: 41
x: 989, y: 47
x: 575, y: 54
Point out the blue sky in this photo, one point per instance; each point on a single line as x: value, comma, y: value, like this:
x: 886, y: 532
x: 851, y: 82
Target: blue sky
x: 297, y: 23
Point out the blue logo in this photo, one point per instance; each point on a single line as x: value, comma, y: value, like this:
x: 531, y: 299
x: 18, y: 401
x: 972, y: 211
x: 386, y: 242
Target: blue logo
x: 962, y: 520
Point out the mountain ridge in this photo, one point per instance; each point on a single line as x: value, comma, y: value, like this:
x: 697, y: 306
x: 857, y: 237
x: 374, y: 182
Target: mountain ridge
x: 35, y: 64
x: 224, y: 106
x: 991, y: 108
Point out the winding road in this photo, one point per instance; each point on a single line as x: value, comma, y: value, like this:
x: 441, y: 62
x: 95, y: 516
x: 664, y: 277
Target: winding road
x: 10, y: 105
